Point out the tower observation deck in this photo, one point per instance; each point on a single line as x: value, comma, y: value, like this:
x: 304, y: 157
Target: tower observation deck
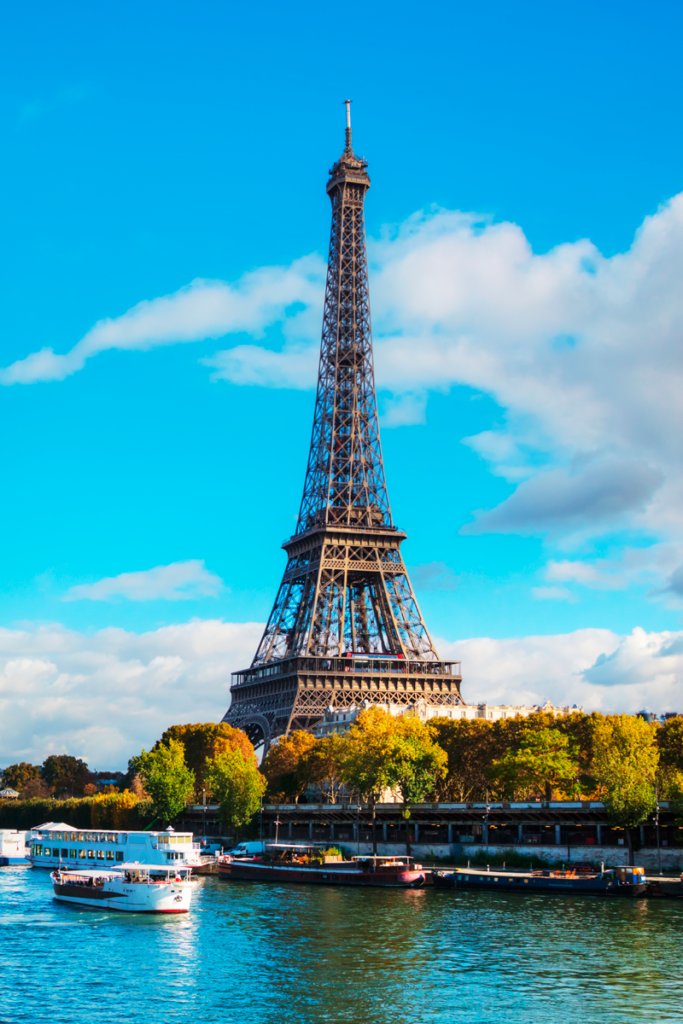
x: 345, y: 627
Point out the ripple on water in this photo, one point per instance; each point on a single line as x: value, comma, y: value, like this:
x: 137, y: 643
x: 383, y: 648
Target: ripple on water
x: 259, y: 953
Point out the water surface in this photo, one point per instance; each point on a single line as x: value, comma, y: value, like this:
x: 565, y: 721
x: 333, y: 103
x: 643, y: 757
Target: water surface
x: 252, y: 953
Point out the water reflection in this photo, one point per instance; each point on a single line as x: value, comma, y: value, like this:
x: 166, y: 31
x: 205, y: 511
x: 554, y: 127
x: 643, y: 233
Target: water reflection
x: 258, y: 953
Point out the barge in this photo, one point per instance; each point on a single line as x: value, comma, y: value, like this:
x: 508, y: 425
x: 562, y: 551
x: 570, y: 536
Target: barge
x: 308, y: 865
x: 623, y: 881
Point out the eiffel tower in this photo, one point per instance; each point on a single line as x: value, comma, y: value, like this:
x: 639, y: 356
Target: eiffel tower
x: 345, y: 627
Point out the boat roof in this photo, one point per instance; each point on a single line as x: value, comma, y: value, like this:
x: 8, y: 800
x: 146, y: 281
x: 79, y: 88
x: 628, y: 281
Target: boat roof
x: 381, y: 856
x: 127, y: 866
x: 55, y: 826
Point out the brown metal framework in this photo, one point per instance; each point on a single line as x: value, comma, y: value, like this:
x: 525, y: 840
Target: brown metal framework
x: 345, y: 593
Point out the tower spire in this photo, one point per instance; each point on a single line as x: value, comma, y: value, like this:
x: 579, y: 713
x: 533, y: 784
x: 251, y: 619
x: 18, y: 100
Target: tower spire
x: 345, y: 596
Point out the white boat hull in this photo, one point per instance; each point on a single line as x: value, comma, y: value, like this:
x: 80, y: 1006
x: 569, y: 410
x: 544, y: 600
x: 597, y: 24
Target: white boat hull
x: 131, y: 898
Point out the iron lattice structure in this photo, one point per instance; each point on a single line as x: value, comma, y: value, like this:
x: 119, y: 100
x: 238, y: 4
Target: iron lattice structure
x: 345, y: 627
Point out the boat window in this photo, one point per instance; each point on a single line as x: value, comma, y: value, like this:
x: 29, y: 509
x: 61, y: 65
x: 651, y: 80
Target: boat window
x: 119, y: 854
x: 37, y: 851
x: 81, y: 854
x: 88, y: 837
x: 80, y: 837
x: 110, y: 854
x: 100, y: 854
x: 73, y: 853
x: 91, y: 854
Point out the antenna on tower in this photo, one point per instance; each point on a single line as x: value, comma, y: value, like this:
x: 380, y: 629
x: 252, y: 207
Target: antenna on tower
x: 348, y: 123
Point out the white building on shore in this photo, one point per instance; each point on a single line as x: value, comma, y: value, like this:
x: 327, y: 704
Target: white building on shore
x: 340, y: 720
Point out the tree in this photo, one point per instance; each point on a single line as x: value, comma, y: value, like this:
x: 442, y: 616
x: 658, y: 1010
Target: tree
x: 366, y: 763
x: 470, y: 746
x: 322, y: 764
x: 204, y: 741
x: 625, y: 761
x: 237, y: 784
x: 418, y: 762
x: 383, y: 752
x: 17, y: 776
x: 542, y: 759
x: 64, y: 773
x: 285, y: 765
x: 166, y: 778
x: 35, y: 789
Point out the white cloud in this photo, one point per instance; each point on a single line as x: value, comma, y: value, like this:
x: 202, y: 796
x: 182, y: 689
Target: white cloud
x: 434, y: 576
x: 583, y: 353
x: 203, y: 309
x: 407, y: 410
x: 594, y: 668
x: 180, y: 581
x: 553, y: 594
x: 104, y: 697
x: 582, y: 572
x: 604, y: 492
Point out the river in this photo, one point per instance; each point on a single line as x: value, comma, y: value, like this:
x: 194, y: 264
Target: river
x: 252, y: 954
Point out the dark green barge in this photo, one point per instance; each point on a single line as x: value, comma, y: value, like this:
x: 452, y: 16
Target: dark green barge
x: 624, y: 881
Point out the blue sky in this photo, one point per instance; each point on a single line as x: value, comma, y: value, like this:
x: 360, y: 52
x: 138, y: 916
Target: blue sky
x: 527, y: 348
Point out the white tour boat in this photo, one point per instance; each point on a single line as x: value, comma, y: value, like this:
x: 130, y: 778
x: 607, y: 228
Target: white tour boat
x: 55, y: 844
x: 134, y: 888
x: 13, y: 847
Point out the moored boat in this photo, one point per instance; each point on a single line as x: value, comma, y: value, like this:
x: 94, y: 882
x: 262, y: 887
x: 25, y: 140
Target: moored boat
x: 622, y: 881
x: 57, y: 845
x: 134, y: 888
x: 13, y: 848
x: 307, y: 864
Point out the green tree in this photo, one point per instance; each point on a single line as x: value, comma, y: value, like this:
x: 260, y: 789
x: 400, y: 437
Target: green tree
x: 237, y: 784
x: 286, y: 768
x: 383, y: 752
x: 322, y: 764
x: 625, y: 762
x: 418, y: 763
x: 166, y: 778
x: 540, y: 759
x: 470, y: 746
x: 64, y: 773
x: 17, y: 776
x: 366, y: 763
x: 203, y: 742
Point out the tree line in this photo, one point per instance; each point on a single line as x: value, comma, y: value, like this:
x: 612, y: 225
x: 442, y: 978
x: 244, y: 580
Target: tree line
x: 622, y: 760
